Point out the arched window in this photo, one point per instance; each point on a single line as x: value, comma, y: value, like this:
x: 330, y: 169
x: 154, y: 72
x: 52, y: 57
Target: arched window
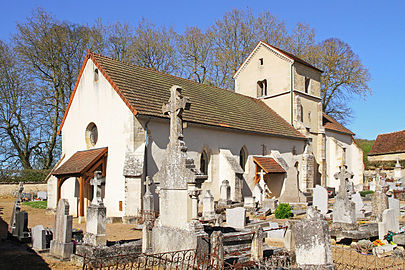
x: 204, y: 163
x: 262, y: 88
x: 243, y: 157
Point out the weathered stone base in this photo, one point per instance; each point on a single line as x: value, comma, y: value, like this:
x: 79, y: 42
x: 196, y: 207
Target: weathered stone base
x: 365, y: 231
x: 317, y: 267
x: 167, y: 239
x: 399, y: 239
x: 95, y: 239
x: 61, y: 250
x: 104, y: 251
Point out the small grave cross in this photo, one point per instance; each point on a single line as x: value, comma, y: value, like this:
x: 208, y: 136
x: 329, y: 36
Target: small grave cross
x: 148, y: 183
x: 174, y: 108
x: 96, y: 182
x: 343, y: 176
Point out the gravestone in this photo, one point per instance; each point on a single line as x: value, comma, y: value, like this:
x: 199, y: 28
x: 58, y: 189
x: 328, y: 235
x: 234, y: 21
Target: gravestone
x: 395, y: 205
x: 62, y: 245
x: 21, y: 227
x: 397, y: 170
x: 344, y: 211
x: 208, y: 206
x: 236, y: 217
x: 257, y: 244
x: 148, y: 198
x: 249, y: 202
x: 225, y: 193
x: 16, y: 209
x: 379, y: 201
x: 177, y: 180
x: 274, y: 233
x: 359, y: 205
x: 96, y: 215
x: 320, y: 199
x: 389, y: 223
x: 312, y: 242
x: 38, y: 237
x: 42, y: 195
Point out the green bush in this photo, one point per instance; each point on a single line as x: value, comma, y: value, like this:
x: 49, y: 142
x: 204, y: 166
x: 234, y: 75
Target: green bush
x: 283, y: 211
x: 365, y: 192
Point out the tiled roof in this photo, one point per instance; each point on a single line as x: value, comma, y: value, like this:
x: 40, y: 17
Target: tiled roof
x: 269, y: 165
x: 331, y: 124
x: 295, y: 58
x: 389, y: 143
x: 144, y: 91
x: 80, y: 162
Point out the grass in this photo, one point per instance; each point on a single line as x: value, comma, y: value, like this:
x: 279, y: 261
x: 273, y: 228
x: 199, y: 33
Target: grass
x: 36, y: 204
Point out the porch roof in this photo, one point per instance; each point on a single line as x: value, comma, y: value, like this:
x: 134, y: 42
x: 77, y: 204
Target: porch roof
x: 80, y: 162
x: 268, y: 164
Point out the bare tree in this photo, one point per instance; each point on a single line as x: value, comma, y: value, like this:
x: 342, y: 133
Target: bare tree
x: 155, y: 47
x: 52, y: 52
x: 195, y: 48
x: 344, y: 77
x: 19, y: 130
x: 120, y: 38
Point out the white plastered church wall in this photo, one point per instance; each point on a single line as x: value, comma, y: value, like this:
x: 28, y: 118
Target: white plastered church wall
x: 98, y: 102
x: 198, y: 137
x: 336, y: 156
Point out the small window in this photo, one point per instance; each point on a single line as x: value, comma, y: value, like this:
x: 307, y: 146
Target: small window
x: 307, y: 83
x: 204, y: 163
x: 262, y: 88
x: 261, y: 61
x: 96, y: 74
x: 91, y: 135
x: 309, y: 116
x: 243, y: 158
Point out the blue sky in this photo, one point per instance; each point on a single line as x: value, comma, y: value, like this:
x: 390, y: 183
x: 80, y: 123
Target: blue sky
x: 374, y: 29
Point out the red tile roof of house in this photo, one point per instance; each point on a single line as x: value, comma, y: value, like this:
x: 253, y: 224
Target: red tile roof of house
x: 331, y: 124
x: 268, y: 164
x: 144, y: 91
x: 389, y: 143
x: 80, y: 162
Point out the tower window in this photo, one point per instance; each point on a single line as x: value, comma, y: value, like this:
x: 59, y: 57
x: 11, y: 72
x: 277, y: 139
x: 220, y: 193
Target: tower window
x: 242, y: 158
x: 262, y: 88
x: 307, y: 82
x: 261, y: 61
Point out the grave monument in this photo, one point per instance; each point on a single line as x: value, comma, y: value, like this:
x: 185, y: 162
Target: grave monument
x: 61, y: 245
x: 179, y: 183
x: 96, y: 215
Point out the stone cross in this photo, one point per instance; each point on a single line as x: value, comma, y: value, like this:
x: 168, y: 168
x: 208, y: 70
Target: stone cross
x: 148, y: 183
x: 174, y: 108
x: 343, y: 176
x: 96, y: 182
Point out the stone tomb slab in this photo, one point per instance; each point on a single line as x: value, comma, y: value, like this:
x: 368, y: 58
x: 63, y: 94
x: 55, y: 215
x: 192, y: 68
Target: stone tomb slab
x: 279, y: 234
x: 236, y: 217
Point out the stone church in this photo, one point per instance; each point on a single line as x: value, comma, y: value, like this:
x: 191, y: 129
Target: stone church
x: 268, y: 137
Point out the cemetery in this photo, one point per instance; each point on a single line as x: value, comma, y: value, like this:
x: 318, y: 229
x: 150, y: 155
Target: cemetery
x: 192, y: 230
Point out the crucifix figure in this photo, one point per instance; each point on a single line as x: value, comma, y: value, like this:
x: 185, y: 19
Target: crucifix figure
x: 174, y: 108
x: 96, y: 182
x: 343, y: 176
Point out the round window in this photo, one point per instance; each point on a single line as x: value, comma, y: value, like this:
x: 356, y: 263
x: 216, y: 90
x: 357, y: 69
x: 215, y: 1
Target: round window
x: 91, y: 134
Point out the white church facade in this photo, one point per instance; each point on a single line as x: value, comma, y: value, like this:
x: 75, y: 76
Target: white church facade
x: 268, y: 137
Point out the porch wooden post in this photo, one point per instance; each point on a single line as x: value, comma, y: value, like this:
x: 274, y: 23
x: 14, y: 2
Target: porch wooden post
x: 58, y: 184
x: 81, y: 183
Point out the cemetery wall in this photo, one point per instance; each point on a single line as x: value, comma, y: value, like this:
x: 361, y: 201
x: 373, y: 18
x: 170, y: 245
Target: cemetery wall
x: 9, y: 190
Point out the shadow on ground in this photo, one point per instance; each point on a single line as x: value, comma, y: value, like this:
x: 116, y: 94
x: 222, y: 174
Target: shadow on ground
x: 15, y: 255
